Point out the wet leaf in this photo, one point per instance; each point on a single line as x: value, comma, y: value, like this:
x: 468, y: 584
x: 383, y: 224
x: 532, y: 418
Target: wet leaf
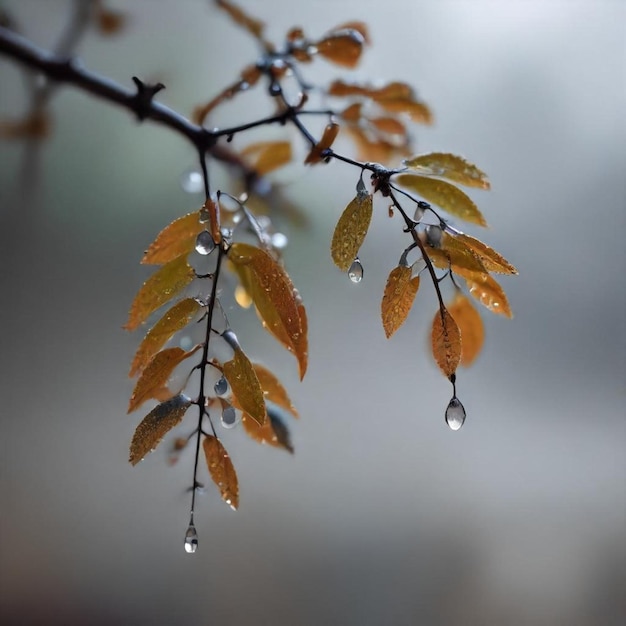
x: 492, y: 260
x: 446, y: 342
x: 239, y: 16
x: 156, y: 425
x: 398, y: 298
x: 161, y: 287
x: 274, y: 432
x: 451, y: 167
x: 174, y: 240
x: 445, y: 195
x: 245, y: 386
x: 267, y: 156
x: 489, y: 293
x: 351, y: 230
x: 360, y: 27
x: 471, y: 326
x: 415, y: 109
x: 457, y: 256
x: 221, y: 470
x: 329, y: 136
x: 277, y: 301
x: 273, y: 389
x: 342, y: 47
x: 156, y: 374
x: 175, y: 319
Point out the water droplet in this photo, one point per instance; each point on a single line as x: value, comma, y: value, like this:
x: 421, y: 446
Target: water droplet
x: 433, y: 234
x: 191, y: 539
x: 185, y: 342
x: 279, y: 241
x: 455, y: 414
x: 204, y: 243
x: 418, y: 266
x: 419, y: 213
x: 230, y: 419
x: 191, y: 181
x: 221, y: 386
x: 355, y: 273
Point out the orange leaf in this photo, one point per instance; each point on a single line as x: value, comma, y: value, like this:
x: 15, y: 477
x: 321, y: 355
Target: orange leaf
x: 156, y: 425
x: 360, y: 27
x: 446, y: 342
x: 456, y: 255
x: 445, y: 195
x: 35, y: 125
x: 330, y: 133
x: 274, y: 432
x: 156, y: 374
x: 176, y: 318
x: 245, y: 386
x: 275, y: 298
x: 272, y: 389
x: 268, y: 155
x: 351, y: 230
x: 449, y: 166
x: 398, y: 298
x: 416, y: 110
x: 389, y: 125
x: 492, y: 261
x: 109, y: 22
x: 252, y: 25
x: 343, y: 47
x: 471, y: 327
x: 342, y: 89
x: 221, y: 470
x: 489, y: 293
x: 174, y: 240
x: 161, y: 287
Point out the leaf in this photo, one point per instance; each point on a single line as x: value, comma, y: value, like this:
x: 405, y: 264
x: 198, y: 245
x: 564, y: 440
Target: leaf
x: 360, y: 27
x: 389, y: 125
x: 221, y: 470
x: 471, y: 326
x: 277, y: 301
x: 156, y: 425
x: 398, y: 298
x: 245, y: 386
x: 272, y: 389
x: 268, y: 155
x: 328, y: 137
x: 35, y: 125
x: 351, y: 230
x: 175, y: 319
x: 156, y: 374
x: 490, y: 294
x: 416, y: 110
x: 161, y: 287
x: 446, y: 342
x: 252, y: 25
x: 457, y: 256
x: 445, y: 195
x: 451, y: 167
x: 492, y: 260
x: 174, y: 240
x: 274, y: 432
x: 342, y: 47
x: 109, y: 22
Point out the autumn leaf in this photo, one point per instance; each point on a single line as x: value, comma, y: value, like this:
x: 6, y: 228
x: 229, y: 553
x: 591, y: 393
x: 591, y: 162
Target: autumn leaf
x: 490, y: 294
x: 273, y: 389
x: 245, y: 386
x: 174, y: 240
x: 239, y: 16
x: 457, y: 256
x: 492, y: 260
x: 161, y: 287
x: 175, y: 319
x: 328, y: 137
x: 277, y: 301
x: 342, y: 47
x: 446, y: 342
x: 351, y: 230
x: 274, y: 432
x: 221, y: 470
x: 445, y: 195
x: 471, y: 326
x: 398, y: 298
x: 449, y: 166
x: 360, y: 27
x: 109, y: 22
x: 267, y: 156
x: 389, y: 125
x: 156, y: 374
x: 156, y: 425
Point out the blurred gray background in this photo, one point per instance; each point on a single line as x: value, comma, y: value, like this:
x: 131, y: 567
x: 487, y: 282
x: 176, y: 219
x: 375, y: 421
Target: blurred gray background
x: 383, y: 516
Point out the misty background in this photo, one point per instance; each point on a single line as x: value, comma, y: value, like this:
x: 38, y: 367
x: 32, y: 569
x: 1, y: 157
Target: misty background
x: 383, y: 516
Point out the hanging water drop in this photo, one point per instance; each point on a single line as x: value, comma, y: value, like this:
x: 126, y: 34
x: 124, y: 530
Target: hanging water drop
x: 191, y: 539
x: 221, y: 386
x: 433, y: 234
x: 229, y: 416
x: 355, y: 273
x: 418, y: 267
x: 455, y: 414
x: 419, y: 213
x: 191, y: 181
x: 279, y: 241
x: 204, y: 243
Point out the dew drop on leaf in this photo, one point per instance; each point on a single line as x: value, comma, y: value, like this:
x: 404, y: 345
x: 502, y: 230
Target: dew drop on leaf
x: 204, y: 243
x: 221, y: 386
x: 191, y: 539
x: 455, y: 414
x: 355, y: 273
x: 229, y: 417
x: 279, y: 241
x: 191, y: 181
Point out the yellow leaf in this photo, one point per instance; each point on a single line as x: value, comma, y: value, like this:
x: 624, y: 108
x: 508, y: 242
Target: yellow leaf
x: 389, y: 125
x: 471, y: 326
x: 328, y: 137
x: 398, y: 298
x: 277, y: 301
x: 351, y: 230
x: 156, y: 425
x: 446, y: 342
x: 221, y: 470
x: 489, y: 293
x: 492, y: 260
x: 161, y: 287
x: 156, y: 374
x: 343, y: 47
x: 272, y: 389
x: 274, y: 432
x: 267, y: 156
x: 457, y: 256
x: 174, y: 240
x: 416, y: 110
x: 245, y: 386
x: 445, y: 195
x: 176, y: 318
x: 449, y: 166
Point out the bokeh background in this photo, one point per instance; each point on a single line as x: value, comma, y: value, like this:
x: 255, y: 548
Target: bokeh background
x: 383, y: 516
